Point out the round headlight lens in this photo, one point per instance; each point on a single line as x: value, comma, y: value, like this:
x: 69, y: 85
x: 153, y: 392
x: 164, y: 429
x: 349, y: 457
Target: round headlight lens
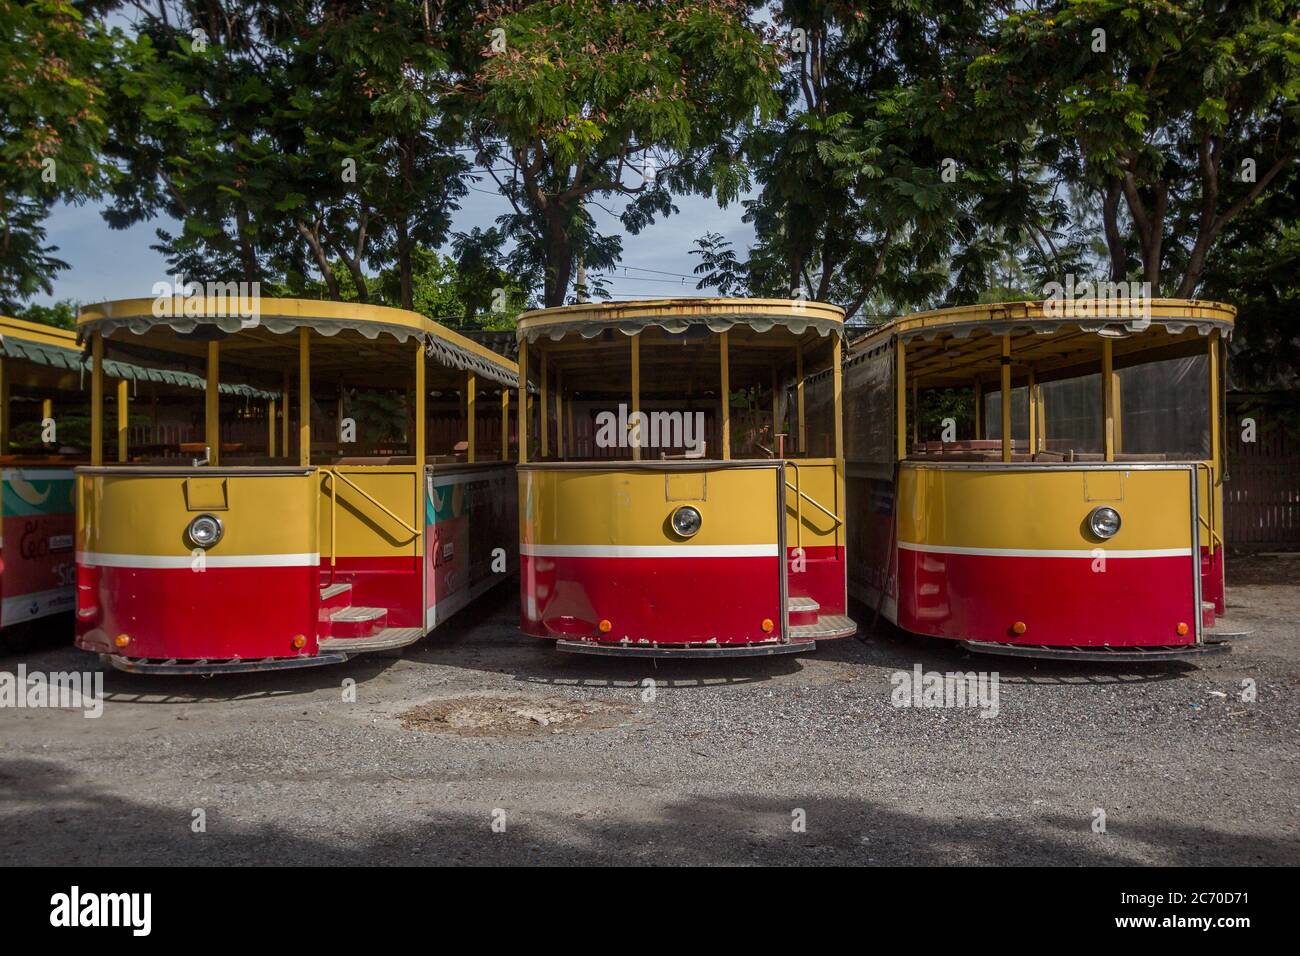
x: 686, y: 521
x: 1104, y: 522
x: 205, y: 531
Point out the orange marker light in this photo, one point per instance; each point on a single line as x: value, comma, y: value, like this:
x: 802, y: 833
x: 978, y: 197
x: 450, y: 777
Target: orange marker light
x: 605, y: 626
x: 299, y: 642
x: 768, y: 625
x: 1181, y: 629
x: 1019, y: 628
x: 122, y: 640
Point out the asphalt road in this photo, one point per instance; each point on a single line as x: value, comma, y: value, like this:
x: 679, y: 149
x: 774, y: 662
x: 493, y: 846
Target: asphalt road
x: 482, y: 746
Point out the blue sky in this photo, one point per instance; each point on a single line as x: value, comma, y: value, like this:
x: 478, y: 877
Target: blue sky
x: 118, y: 264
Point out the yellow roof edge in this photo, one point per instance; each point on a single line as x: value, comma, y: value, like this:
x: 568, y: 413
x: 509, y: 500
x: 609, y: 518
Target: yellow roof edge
x: 608, y: 312
x: 304, y: 309
x: 37, y: 332
x: 1030, y: 310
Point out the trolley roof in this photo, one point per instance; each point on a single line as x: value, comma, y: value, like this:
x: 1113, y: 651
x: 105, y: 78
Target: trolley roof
x: 186, y: 316
x: 1047, y: 315
x: 677, y: 315
x: 948, y: 346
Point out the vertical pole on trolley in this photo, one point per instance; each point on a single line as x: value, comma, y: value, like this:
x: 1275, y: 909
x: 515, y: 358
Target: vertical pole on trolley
x: 471, y: 413
x: 270, y: 427
x: 636, y: 394
x: 900, y: 398
x: 421, y: 395
x: 798, y: 399
x: 545, y: 406
x: 304, y: 396
x: 1216, y: 465
x: 1118, y: 406
x: 47, y: 410
x: 284, y: 424
x: 212, y: 405
x: 521, y: 414
x: 97, y: 400
x: 726, y: 398
x: 505, y: 423
x: 979, y: 409
x: 1031, y: 402
x: 1006, y: 398
x: 1108, y: 397
x: 837, y: 377
x: 559, y: 413
x: 122, y: 419
x: 776, y: 416
x: 916, y: 412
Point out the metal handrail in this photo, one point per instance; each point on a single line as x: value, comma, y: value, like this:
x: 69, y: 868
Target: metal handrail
x: 800, y: 497
x: 1209, y: 505
x: 334, y: 500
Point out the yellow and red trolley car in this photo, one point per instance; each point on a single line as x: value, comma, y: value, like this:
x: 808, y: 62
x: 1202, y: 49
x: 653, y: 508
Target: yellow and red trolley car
x: 1042, y: 478
x: 350, y: 487
x: 681, y: 487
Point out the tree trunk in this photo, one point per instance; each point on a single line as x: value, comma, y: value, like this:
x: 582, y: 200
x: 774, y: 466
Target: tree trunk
x: 1114, y: 238
x: 322, y: 261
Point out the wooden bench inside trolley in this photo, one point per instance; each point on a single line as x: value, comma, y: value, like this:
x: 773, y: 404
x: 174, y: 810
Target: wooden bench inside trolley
x: 341, y: 484
x: 680, y: 479
x: 1042, y: 479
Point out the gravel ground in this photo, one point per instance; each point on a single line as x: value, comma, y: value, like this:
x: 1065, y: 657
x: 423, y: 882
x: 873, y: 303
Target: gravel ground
x: 483, y: 746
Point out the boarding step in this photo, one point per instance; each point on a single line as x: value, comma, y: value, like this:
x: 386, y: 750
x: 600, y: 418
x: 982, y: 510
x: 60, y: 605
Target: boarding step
x: 1207, y: 614
x: 801, y: 610
x: 335, y: 595
x: 827, y: 627
x: 355, y: 621
x: 388, y: 639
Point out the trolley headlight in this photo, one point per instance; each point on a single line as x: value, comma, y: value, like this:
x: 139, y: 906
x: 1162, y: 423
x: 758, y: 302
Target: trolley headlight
x: 205, y: 531
x: 1103, y: 522
x: 686, y: 521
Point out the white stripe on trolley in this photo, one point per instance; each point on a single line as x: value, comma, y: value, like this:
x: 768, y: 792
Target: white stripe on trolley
x: 1047, y: 552
x: 102, y: 559
x: 649, y: 550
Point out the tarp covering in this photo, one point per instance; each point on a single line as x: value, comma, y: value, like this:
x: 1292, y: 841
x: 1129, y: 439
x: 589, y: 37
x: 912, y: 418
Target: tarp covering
x: 74, y: 360
x: 677, y: 324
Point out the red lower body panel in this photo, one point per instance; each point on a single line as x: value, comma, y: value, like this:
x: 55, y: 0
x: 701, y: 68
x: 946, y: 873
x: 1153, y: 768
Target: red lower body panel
x: 218, y: 614
x: 820, y: 576
x: 1062, y: 601
x: 675, y: 600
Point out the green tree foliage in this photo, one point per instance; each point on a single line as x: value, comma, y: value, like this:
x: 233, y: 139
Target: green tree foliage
x: 1178, y: 117
x: 575, y: 101
x: 52, y: 126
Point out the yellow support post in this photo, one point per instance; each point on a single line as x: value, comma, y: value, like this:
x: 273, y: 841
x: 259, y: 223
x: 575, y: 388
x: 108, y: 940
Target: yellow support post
x: 1213, y: 356
x: 123, y: 406
x: 900, y: 399
x: 559, y: 414
x: 1006, y: 399
x: 212, y: 405
x: 837, y: 377
x: 505, y: 423
x: 420, y: 399
x: 545, y: 408
x: 726, y: 398
x: 284, y: 424
x: 304, y: 396
x: 47, y: 410
x: 1031, y: 404
x: 421, y: 457
x: 798, y: 399
x: 97, y: 400
x: 522, y: 413
x: 1108, y: 397
x: 636, y: 391
x: 471, y: 415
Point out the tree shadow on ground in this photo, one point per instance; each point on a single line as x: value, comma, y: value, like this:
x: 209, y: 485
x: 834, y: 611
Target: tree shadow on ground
x: 54, y: 816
